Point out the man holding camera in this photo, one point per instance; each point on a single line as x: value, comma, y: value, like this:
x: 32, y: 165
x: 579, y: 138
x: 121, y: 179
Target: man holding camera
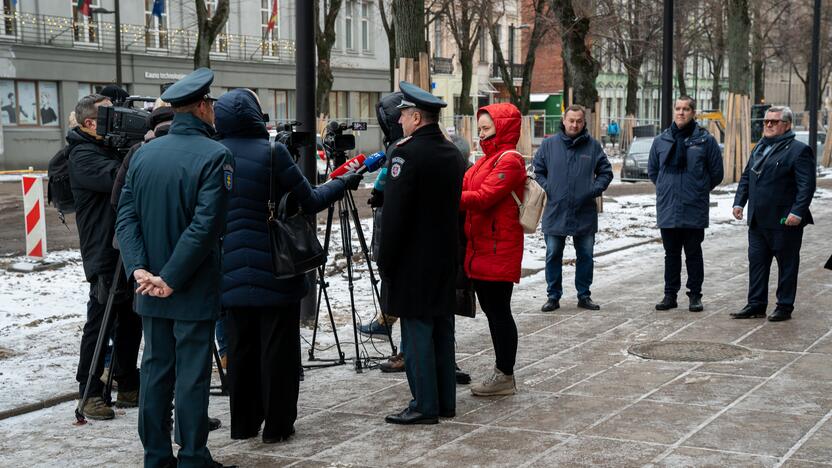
x: 92, y: 171
x: 171, y: 217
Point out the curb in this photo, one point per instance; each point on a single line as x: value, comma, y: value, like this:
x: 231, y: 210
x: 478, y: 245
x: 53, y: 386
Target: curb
x: 49, y: 402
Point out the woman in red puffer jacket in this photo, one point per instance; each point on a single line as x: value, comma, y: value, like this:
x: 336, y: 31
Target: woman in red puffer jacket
x: 495, y: 238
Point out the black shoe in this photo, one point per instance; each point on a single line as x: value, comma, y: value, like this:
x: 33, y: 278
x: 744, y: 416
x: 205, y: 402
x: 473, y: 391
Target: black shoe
x: 550, y: 305
x: 447, y: 414
x: 462, y: 378
x: 750, y: 311
x: 409, y: 416
x: 171, y: 463
x: 278, y: 438
x: 780, y: 314
x: 669, y: 302
x: 214, y: 424
x: 586, y: 303
x: 695, y: 303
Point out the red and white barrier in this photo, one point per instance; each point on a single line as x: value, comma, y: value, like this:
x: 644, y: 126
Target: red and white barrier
x: 33, y: 210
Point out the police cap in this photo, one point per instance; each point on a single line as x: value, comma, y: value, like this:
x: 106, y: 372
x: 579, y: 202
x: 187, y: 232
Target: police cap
x: 191, y: 88
x: 414, y: 96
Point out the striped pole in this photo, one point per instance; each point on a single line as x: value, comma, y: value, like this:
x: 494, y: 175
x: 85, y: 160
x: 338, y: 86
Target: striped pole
x: 34, y: 216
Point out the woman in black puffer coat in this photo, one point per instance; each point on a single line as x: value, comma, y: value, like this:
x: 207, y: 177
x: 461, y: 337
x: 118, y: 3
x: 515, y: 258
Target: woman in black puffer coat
x: 263, y: 312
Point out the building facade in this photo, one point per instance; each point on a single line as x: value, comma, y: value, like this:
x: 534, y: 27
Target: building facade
x: 50, y: 55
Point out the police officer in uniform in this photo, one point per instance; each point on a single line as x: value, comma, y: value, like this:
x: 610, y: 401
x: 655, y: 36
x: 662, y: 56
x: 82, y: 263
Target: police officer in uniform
x: 171, y: 218
x: 418, y: 254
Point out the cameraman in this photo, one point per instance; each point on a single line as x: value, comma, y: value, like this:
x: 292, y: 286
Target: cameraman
x: 92, y: 171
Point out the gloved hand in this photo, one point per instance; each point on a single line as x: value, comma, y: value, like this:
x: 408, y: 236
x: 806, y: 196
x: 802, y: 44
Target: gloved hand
x: 351, y: 180
x: 376, y: 199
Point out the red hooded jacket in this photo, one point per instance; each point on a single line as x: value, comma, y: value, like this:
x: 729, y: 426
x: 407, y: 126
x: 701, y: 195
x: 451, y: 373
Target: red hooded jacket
x: 492, y: 226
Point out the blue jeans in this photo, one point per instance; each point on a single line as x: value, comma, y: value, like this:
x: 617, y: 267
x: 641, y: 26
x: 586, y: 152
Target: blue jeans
x: 219, y: 332
x: 584, y: 247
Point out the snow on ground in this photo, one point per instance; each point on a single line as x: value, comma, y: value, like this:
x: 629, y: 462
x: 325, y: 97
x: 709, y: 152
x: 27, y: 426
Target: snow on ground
x: 42, y: 313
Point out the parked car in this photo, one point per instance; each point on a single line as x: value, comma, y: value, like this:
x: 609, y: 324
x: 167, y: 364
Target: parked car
x: 803, y: 137
x: 634, y: 164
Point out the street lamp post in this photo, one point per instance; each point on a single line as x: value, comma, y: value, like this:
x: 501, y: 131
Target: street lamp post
x: 116, y: 12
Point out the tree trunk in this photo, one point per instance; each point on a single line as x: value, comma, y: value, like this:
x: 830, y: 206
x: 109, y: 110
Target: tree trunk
x: 324, y: 40
x: 390, y: 30
x: 466, y: 62
x: 757, y: 59
x: 718, y: 49
x: 409, y: 23
x: 583, y: 68
x: 759, y: 81
x: 716, y: 88
x: 207, y: 30
x: 679, y: 52
x: 739, y: 27
x: 633, y: 68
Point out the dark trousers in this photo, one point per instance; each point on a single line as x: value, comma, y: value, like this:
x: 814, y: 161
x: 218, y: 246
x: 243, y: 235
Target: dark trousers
x: 690, y: 240
x: 428, y: 346
x: 176, y: 363
x: 763, y: 245
x: 584, y: 251
x: 263, y: 363
x: 127, y: 337
x: 495, y: 300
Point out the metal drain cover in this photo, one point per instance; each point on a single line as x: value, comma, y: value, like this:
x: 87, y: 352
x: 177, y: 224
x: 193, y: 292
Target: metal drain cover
x: 689, y: 351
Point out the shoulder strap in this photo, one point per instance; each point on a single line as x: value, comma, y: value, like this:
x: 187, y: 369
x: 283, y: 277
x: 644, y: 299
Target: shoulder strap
x: 271, y: 203
x: 513, y: 195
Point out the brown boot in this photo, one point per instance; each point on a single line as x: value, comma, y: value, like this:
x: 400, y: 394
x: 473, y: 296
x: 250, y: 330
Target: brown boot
x: 127, y: 399
x: 95, y: 408
x: 394, y: 364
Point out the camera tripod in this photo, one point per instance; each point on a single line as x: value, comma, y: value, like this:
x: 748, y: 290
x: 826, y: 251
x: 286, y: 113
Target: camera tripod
x: 347, y: 210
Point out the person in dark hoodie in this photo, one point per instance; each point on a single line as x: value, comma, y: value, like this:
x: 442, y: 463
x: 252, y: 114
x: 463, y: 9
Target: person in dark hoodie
x: 263, y: 313
x: 92, y: 171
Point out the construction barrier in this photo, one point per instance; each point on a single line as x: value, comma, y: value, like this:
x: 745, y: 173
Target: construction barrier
x: 33, y: 210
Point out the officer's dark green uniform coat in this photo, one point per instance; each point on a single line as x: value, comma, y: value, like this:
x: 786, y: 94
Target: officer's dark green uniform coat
x: 172, y: 215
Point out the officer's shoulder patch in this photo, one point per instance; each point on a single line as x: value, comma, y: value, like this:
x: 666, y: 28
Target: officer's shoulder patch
x: 396, y: 167
x: 404, y: 141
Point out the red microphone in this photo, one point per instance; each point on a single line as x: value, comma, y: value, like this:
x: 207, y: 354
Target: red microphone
x: 351, y: 165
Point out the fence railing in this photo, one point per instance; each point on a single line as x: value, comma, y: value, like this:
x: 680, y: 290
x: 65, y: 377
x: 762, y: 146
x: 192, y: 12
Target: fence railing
x: 91, y: 33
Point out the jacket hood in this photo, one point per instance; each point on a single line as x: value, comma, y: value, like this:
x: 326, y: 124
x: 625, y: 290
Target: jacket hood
x: 388, y: 117
x: 76, y: 137
x: 506, y: 119
x: 239, y: 115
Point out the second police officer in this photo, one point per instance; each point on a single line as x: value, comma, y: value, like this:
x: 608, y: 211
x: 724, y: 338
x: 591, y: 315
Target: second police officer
x: 418, y: 254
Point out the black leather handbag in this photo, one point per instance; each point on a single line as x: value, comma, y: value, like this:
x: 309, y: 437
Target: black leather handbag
x: 293, y: 240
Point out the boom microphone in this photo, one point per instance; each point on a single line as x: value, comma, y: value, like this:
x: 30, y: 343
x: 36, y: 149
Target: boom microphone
x: 353, y: 164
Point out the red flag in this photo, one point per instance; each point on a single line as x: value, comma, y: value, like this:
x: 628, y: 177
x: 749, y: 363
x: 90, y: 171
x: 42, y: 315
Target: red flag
x: 273, y: 17
x: 84, y: 7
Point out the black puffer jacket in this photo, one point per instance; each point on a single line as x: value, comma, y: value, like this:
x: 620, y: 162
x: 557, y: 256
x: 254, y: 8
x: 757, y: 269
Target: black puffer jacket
x: 247, y: 279
x: 92, y: 171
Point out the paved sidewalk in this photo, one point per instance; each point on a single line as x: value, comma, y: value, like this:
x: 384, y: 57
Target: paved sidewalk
x: 582, y: 401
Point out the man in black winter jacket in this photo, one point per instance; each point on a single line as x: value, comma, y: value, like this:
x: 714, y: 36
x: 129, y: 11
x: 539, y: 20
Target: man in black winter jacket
x: 92, y: 171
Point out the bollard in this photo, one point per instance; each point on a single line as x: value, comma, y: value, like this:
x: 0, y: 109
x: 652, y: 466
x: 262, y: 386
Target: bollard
x: 33, y: 210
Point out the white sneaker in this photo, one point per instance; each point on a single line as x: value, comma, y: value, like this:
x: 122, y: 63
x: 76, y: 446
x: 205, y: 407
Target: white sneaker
x: 497, y: 384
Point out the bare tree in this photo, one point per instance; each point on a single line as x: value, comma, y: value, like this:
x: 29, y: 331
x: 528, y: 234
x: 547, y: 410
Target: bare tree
x: 465, y: 20
x: 739, y: 26
x: 763, y: 19
x: 409, y: 23
x: 324, y: 40
x: 543, y: 23
x: 208, y: 27
x: 390, y: 30
x: 580, y: 67
x: 713, y: 28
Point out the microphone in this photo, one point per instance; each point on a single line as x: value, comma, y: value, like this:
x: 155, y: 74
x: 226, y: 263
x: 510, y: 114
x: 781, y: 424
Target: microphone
x: 381, y: 180
x: 375, y: 161
x: 354, y: 164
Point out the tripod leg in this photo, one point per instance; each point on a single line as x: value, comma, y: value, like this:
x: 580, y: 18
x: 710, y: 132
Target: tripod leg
x: 373, y: 279
x: 220, y: 370
x: 102, y: 334
x: 346, y: 244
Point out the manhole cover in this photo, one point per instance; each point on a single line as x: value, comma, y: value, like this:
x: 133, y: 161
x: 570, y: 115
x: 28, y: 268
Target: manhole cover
x: 689, y: 351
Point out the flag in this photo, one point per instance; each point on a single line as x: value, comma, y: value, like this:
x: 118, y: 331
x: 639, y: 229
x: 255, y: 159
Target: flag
x: 273, y: 17
x: 14, y: 3
x: 158, y: 8
x: 84, y: 7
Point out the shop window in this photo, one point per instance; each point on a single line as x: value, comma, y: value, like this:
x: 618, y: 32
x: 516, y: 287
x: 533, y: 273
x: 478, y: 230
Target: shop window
x: 29, y: 103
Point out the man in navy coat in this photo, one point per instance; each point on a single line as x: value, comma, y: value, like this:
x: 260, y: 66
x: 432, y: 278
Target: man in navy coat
x: 171, y: 218
x: 778, y: 184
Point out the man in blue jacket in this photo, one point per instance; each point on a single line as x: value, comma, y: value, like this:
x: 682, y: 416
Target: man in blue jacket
x: 171, y: 218
x: 778, y: 184
x: 685, y: 164
x: 573, y: 169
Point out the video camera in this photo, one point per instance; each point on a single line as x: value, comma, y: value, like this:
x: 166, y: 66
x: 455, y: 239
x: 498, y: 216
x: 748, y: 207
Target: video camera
x: 336, y: 141
x: 123, y: 126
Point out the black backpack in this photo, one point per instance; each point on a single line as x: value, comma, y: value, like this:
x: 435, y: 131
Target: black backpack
x: 59, y: 193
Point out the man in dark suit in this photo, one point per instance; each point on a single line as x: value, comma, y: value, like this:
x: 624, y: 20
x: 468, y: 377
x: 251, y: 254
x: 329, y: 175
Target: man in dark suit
x: 171, y: 217
x: 418, y: 254
x: 778, y: 184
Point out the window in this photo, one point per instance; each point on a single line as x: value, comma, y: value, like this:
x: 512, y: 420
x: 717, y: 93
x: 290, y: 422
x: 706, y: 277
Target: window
x: 8, y: 26
x: 269, y: 48
x: 366, y: 105
x: 339, y: 107
x: 29, y: 103
x: 85, y: 89
x: 348, y: 24
x: 499, y: 30
x: 365, y: 26
x: 221, y: 42
x: 484, y: 45
x: 437, y: 37
x: 84, y: 28
x: 156, y: 28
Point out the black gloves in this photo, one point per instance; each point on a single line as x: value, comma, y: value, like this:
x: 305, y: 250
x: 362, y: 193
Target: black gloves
x: 351, y: 180
x: 376, y: 199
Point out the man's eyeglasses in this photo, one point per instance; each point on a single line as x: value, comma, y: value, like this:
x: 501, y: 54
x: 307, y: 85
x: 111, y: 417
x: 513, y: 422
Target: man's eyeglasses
x: 772, y: 122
